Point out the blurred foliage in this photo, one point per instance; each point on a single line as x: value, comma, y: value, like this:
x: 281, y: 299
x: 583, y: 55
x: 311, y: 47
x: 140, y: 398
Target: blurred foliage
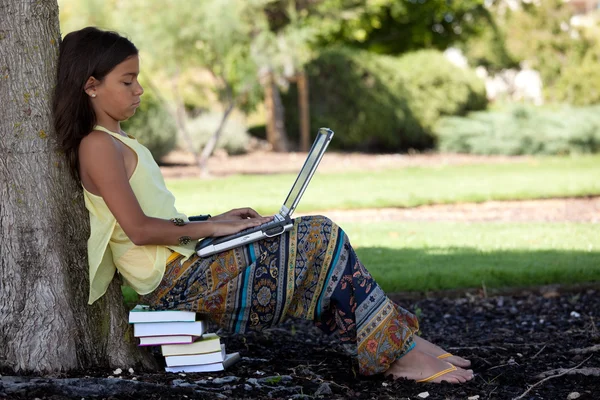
x: 183, y: 37
x: 397, y: 26
x: 523, y: 130
x: 541, y: 35
x: 152, y: 126
x: 205, y: 53
x: 234, y: 137
x: 384, y: 103
x: 579, y: 84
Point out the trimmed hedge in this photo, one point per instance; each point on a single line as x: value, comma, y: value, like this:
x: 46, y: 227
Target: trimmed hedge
x: 384, y: 103
x: 153, y: 127
x: 523, y: 130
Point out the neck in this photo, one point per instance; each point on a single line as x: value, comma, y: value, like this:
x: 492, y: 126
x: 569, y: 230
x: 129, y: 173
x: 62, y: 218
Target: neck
x: 110, y: 124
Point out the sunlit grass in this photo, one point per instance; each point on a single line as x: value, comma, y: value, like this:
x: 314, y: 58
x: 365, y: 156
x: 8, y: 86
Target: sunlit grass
x: 542, y: 177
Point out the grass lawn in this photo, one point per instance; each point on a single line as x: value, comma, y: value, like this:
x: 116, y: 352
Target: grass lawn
x: 543, y: 177
x: 405, y: 256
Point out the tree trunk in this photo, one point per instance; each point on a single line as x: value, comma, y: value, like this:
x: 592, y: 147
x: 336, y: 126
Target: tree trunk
x: 212, y: 143
x: 45, y: 323
x: 276, y: 135
x: 304, y: 108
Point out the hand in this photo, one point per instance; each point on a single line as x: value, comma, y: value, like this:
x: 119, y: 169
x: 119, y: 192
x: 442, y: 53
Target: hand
x: 237, y: 214
x: 229, y: 227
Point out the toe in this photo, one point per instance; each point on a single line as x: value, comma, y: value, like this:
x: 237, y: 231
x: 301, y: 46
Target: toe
x: 459, y: 361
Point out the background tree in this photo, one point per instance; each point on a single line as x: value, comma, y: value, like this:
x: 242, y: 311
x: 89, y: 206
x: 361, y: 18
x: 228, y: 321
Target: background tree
x: 45, y: 322
x: 281, y: 52
x: 561, y: 52
x: 397, y: 26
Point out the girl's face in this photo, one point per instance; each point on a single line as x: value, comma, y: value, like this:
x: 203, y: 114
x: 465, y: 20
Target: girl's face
x: 118, y: 95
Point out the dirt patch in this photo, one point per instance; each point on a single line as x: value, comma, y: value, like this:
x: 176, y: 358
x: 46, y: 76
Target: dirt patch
x: 549, y: 210
x: 512, y: 339
x: 181, y: 165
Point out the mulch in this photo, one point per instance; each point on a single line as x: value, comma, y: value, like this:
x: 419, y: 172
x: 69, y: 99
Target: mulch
x: 513, y: 339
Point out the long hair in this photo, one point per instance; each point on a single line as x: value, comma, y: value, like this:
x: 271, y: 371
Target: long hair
x: 82, y: 54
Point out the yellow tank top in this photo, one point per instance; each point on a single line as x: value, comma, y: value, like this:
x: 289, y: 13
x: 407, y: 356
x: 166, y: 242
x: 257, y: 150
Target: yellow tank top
x: 109, y: 248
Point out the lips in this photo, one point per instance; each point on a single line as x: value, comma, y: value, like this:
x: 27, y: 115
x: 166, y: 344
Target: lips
x: 136, y: 103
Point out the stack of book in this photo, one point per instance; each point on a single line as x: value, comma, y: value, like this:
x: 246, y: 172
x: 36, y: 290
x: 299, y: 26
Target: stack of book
x: 185, y: 342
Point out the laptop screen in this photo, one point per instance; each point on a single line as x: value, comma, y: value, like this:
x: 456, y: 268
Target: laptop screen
x: 308, y: 169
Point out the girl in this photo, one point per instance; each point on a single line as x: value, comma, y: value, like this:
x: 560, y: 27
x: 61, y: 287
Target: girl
x: 311, y: 272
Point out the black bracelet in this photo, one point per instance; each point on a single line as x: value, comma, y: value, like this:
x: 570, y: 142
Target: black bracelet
x: 200, y: 217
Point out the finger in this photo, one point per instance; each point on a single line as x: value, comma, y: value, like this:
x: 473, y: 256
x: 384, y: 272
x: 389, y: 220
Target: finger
x: 251, y: 213
x: 253, y: 222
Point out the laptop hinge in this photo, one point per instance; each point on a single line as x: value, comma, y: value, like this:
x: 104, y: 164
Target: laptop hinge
x: 284, y: 211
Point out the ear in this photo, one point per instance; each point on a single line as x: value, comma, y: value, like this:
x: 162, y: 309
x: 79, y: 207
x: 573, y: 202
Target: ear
x: 90, y: 85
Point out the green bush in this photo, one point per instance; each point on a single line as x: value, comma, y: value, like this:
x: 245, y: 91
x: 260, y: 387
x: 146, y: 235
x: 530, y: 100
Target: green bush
x: 153, y: 127
x: 384, y: 103
x: 234, y: 137
x: 580, y: 84
x: 523, y: 130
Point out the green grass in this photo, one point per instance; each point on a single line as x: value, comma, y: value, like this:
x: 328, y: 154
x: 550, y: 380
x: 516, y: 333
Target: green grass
x: 542, y: 177
x: 435, y: 255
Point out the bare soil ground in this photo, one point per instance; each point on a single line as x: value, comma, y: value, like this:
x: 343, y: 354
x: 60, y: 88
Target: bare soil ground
x: 585, y: 209
x: 181, y: 165
x: 516, y: 339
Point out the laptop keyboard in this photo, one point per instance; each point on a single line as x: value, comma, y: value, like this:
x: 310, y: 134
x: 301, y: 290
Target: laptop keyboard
x: 266, y: 225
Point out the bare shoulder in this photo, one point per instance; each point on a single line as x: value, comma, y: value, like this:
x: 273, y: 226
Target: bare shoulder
x: 97, y: 151
x: 96, y: 146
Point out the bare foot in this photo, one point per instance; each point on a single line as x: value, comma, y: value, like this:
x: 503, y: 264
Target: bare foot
x: 417, y: 365
x: 428, y: 347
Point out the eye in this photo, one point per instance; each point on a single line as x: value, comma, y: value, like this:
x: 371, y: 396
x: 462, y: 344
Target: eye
x: 127, y: 83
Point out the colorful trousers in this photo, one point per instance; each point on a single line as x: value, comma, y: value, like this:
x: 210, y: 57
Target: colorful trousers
x: 310, y: 272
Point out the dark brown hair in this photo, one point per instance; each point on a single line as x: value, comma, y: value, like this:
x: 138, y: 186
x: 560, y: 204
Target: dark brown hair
x: 84, y: 53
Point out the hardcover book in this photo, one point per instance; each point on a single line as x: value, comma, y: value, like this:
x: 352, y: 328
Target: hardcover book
x: 230, y: 359
x: 209, y: 343
x: 142, y: 313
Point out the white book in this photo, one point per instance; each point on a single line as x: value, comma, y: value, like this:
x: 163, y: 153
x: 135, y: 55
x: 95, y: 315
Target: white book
x: 169, y: 328
x: 209, y: 343
x: 142, y: 313
x: 196, y: 359
x: 167, y: 340
x: 230, y: 359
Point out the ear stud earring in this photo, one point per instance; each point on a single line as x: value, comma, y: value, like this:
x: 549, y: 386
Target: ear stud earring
x: 93, y: 94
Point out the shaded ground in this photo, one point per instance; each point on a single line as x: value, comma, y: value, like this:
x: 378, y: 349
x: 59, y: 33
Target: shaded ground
x: 511, y: 338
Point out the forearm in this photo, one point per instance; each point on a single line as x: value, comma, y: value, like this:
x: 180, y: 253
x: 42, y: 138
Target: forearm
x: 156, y: 231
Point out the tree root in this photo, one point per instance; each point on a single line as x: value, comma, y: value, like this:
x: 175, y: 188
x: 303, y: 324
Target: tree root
x: 592, y: 349
x: 553, y: 376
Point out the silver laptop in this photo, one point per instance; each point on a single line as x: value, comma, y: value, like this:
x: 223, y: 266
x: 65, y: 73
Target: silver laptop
x: 282, y: 222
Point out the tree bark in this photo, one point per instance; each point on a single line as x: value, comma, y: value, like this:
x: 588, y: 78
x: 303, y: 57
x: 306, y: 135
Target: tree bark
x: 276, y: 135
x: 304, y: 108
x: 45, y: 323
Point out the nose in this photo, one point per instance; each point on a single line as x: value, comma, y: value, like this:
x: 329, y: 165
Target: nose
x: 140, y: 90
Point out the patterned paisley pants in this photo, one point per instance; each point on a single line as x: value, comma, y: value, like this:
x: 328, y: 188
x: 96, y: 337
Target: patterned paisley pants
x: 310, y: 272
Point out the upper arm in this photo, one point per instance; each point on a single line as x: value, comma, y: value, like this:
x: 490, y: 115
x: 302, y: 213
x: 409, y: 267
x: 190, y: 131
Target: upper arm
x: 102, y: 161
